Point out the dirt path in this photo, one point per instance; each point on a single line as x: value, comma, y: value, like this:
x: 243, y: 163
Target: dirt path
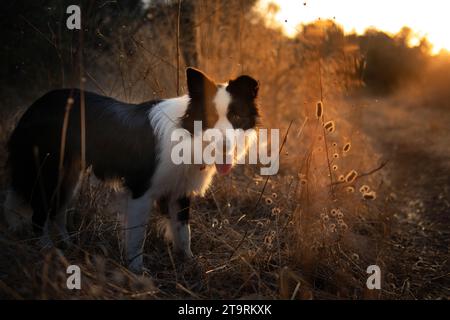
x: 416, y: 140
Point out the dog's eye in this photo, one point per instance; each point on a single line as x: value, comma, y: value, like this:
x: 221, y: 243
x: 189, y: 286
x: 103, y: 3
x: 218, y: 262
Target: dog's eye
x: 236, y: 117
x: 239, y: 121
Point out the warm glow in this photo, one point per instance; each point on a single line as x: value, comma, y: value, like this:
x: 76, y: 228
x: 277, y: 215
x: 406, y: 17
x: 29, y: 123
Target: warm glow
x: 426, y: 18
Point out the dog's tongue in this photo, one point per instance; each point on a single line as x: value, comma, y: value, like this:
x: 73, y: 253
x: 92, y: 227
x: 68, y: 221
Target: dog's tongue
x: 223, y: 169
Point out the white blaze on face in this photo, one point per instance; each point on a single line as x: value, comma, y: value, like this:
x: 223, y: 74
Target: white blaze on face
x: 222, y: 100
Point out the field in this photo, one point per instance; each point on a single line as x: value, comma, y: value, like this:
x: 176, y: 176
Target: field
x: 364, y: 173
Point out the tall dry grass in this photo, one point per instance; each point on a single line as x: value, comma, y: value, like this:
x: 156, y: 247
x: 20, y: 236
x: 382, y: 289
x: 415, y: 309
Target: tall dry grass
x: 308, y: 232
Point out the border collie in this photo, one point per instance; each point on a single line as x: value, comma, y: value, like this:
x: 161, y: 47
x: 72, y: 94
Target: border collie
x: 126, y: 142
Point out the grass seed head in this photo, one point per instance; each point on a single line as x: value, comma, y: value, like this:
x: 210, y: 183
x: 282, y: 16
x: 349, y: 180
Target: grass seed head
x: 268, y: 241
x: 347, y: 147
x: 324, y: 217
x: 319, y: 110
x: 364, y: 188
x: 329, y: 126
x: 351, y: 176
x: 276, y: 211
x: 332, y: 227
x: 371, y: 195
x: 343, y: 226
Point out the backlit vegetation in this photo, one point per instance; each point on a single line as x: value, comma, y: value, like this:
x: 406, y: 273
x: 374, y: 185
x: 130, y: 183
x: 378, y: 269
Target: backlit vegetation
x: 310, y: 232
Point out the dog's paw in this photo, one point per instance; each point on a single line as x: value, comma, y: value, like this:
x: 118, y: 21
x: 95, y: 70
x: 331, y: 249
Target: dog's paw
x: 185, y: 255
x: 188, y: 255
x: 139, y: 271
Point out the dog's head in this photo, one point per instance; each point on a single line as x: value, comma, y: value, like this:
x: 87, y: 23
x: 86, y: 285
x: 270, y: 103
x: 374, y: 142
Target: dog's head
x: 223, y: 108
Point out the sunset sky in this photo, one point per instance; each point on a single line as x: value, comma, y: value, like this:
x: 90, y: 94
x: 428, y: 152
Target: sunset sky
x: 430, y: 18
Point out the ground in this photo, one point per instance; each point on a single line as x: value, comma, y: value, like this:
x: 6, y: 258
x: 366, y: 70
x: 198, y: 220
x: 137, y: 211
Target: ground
x: 244, y: 251
x: 413, y: 138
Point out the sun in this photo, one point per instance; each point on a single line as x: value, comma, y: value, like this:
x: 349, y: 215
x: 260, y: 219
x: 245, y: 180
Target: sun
x: 425, y: 18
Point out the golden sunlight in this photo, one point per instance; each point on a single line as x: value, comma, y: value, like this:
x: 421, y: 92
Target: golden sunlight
x: 426, y: 18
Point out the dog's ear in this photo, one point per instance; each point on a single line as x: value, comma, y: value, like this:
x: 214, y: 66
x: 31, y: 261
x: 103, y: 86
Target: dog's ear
x: 198, y: 83
x: 244, y: 86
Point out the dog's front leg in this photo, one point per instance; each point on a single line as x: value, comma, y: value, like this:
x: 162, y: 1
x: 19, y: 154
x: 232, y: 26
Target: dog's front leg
x: 179, y: 224
x: 136, y: 219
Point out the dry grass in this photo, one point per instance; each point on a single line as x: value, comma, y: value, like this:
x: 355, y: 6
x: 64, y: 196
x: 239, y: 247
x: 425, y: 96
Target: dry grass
x: 310, y: 232
x: 308, y: 237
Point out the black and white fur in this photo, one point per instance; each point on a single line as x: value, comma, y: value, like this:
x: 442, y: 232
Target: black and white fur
x: 129, y: 142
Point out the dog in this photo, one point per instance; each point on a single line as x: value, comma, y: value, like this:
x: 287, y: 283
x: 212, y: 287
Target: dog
x: 130, y: 143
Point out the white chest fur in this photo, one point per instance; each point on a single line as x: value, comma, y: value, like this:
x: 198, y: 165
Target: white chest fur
x: 170, y: 178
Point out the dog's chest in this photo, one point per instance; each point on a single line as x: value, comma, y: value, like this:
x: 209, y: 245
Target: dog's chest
x: 181, y: 180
